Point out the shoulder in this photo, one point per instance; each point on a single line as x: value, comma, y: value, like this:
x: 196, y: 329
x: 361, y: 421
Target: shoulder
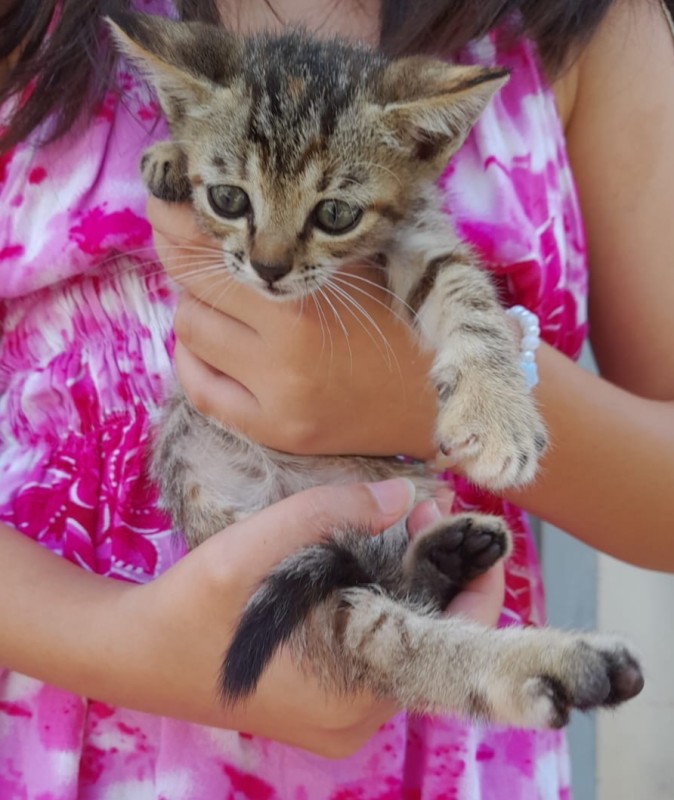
x: 631, y: 46
x: 619, y: 132
x: 617, y: 100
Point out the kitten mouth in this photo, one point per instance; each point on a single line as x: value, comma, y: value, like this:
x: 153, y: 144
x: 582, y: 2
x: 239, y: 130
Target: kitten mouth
x: 276, y: 291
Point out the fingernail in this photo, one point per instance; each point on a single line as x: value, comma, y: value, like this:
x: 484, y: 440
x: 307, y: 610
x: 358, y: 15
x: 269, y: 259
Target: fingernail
x: 394, y: 496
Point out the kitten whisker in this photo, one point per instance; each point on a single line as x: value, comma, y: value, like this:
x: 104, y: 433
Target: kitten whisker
x: 384, y: 352
x: 128, y: 256
x: 188, y: 243
x: 225, y: 287
x: 192, y: 258
x: 145, y: 272
x: 201, y: 271
x: 346, y: 283
x: 300, y: 311
x: 323, y: 294
x: 126, y: 262
x: 347, y: 300
x: 345, y: 279
x: 324, y: 325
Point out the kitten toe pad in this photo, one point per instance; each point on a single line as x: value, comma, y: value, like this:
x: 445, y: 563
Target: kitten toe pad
x: 464, y: 547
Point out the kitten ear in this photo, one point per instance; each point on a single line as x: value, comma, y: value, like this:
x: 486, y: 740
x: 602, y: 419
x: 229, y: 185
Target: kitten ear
x: 185, y: 62
x: 432, y: 106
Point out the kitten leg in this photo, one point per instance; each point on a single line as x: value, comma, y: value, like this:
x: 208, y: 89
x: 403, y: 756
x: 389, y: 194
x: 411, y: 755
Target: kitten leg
x: 439, y: 562
x: 487, y: 421
x: 164, y: 171
x: 523, y: 677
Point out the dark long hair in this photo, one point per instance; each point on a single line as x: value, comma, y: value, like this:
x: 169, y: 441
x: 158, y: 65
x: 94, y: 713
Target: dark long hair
x: 69, y: 69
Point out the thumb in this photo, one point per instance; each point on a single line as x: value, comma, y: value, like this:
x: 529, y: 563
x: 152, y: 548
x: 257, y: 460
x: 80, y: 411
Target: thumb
x: 307, y: 517
x: 482, y: 599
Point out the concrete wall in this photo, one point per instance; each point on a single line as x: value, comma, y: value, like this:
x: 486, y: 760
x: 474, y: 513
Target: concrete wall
x: 635, y: 747
x: 570, y: 579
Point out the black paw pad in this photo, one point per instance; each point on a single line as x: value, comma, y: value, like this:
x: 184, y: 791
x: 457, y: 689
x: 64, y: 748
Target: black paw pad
x: 465, y: 548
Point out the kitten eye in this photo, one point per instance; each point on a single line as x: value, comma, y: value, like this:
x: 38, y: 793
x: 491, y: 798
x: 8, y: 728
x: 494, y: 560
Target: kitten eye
x: 228, y: 201
x: 336, y: 216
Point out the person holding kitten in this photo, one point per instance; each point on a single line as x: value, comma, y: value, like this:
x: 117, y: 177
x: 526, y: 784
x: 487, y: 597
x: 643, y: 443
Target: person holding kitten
x: 86, y: 347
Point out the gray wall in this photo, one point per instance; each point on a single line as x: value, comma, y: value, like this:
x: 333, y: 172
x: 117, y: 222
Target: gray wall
x: 570, y: 579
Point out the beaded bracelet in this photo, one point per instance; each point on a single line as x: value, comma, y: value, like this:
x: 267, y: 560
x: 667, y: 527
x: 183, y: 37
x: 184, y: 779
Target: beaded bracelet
x: 531, y: 339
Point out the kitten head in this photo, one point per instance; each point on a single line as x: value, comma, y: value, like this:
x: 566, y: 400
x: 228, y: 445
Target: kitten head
x: 304, y: 156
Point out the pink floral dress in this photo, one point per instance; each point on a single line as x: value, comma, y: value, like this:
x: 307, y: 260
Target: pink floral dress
x: 86, y: 314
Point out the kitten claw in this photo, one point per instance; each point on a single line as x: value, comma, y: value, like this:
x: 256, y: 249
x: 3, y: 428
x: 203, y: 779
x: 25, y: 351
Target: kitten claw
x: 497, y: 449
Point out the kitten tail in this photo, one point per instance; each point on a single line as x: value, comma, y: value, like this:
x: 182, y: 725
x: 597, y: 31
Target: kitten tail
x: 281, y: 605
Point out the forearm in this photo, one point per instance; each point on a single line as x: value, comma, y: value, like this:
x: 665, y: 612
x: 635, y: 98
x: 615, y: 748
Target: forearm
x: 105, y: 639
x: 57, y: 624
x: 608, y: 477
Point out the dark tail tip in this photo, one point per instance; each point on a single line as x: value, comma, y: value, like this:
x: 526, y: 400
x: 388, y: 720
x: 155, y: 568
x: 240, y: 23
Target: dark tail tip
x: 280, y: 606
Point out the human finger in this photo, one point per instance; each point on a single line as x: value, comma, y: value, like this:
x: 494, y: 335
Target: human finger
x: 482, y: 599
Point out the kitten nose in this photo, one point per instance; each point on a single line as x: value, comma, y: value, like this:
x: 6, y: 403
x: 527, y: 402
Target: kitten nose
x: 271, y: 272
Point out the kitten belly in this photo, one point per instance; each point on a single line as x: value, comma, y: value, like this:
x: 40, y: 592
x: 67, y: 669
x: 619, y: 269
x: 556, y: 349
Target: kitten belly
x: 210, y: 476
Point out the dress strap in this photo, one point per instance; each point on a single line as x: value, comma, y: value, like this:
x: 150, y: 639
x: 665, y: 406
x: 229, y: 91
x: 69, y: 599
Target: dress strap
x: 668, y: 16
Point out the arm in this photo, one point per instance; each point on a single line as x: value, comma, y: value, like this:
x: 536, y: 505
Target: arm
x: 607, y: 478
x: 158, y: 647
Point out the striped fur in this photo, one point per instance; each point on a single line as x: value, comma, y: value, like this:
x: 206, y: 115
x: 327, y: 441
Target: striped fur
x: 294, y: 123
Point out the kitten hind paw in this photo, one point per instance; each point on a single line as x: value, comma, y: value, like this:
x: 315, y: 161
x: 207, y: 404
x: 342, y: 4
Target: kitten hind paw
x: 444, y: 559
x: 591, y: 671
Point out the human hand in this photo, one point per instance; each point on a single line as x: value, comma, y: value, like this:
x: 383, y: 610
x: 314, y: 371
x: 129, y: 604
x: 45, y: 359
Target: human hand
x: 291, y: 375
x: 182, y: 622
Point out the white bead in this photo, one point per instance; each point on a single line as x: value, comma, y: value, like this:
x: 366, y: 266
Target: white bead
x: 531, y: 330
x: 530, y: 374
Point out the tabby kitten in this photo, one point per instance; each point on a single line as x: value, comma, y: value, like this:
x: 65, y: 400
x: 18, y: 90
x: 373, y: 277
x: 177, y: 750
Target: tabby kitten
x: 301, y: 157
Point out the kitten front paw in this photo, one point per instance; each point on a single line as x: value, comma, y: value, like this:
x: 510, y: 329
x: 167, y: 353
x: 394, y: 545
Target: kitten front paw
x: 164, y: 171
x: 492, y: 434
